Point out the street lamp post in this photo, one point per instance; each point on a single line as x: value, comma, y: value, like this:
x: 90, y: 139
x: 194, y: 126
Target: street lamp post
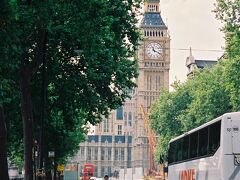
x: 51, y: 155
x: 77, y: 170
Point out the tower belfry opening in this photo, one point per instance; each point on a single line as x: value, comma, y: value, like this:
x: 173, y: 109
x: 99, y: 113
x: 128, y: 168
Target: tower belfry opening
x: 152, y: 6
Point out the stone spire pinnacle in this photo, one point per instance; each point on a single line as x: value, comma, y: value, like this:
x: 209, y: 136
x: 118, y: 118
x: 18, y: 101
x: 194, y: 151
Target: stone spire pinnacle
x: 190, y: 59
x: 190, y: 51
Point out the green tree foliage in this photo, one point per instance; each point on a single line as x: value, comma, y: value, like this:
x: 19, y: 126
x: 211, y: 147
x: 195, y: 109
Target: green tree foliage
x: 6, y: 83
x: 209, y: 93
x: 200, y: 99
x: 232, y: 84
x: 165, y: 114
x: 229, y: 13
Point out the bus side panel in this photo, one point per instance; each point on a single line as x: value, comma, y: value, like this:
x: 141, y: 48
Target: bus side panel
x: 200, y: 169
x: 172, y: 172
x: 231, y: 141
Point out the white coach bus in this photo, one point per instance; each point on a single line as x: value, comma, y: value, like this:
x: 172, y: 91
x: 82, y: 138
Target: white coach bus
x: 209, y: 152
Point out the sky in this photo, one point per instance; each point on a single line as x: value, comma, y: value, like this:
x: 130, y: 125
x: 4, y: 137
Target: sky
x: 192, y: 24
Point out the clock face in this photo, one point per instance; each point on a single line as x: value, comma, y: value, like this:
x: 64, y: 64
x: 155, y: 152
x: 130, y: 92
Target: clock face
x: 154, y: 50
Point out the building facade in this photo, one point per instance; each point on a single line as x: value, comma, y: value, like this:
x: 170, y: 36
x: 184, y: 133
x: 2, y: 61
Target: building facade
x: 193, y: 64
x: 108, y: 153
x: 121, y: 141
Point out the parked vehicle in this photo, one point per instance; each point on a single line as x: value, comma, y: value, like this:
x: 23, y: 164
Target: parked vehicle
x: 88, y: 171
x: 211, y: 151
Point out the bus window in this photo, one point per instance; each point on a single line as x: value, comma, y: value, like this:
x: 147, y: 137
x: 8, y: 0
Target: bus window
x: 172, y: 153
x: 185, y: 148
x: 214, y: 137
x: 203, y: 142
x: 193, y: 145
x: 179, y: 150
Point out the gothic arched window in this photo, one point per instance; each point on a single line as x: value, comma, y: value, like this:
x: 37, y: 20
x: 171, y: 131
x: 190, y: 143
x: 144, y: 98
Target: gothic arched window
x: 130, y: 118
x: 119, y: 113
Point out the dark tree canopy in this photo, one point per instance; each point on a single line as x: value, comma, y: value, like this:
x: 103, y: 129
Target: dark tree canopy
x: 87, y: 47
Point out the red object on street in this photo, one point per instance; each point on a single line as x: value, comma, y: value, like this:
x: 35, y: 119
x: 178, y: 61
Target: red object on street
x: 88, y: 171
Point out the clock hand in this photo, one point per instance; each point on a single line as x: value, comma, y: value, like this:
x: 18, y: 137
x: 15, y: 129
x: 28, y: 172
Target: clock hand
x: 159, y: 51
x: 156, y: 51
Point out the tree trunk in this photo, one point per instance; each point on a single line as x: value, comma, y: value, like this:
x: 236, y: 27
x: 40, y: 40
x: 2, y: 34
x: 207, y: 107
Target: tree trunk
x: 43, y: 106
x: 27, y: 72
x: 48, y: 175
x: 27, y: 116
x: 3, y: 147
x: 55, y: 172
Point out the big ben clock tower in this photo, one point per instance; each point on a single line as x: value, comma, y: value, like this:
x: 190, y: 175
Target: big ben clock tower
x: 153, y: 60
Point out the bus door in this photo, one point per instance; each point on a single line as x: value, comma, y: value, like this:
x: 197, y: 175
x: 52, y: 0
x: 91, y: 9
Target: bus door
x: 235, y: 129
x: 235, y: 123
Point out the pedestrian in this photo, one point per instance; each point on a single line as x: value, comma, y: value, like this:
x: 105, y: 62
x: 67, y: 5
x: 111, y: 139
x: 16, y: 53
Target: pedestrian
x: 106, y: 177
